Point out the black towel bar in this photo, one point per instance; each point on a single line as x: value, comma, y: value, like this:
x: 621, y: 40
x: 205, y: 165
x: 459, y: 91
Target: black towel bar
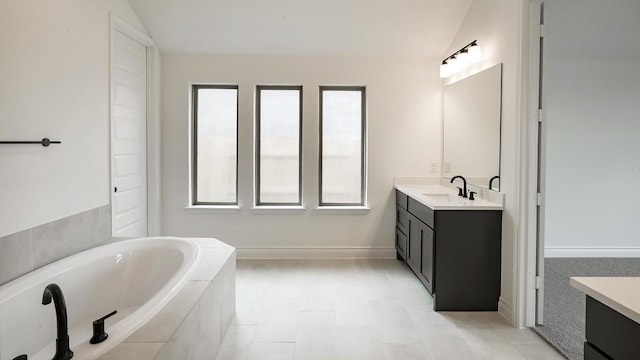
x: 43, y: 142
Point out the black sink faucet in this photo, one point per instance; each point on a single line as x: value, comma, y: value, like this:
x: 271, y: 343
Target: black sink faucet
x: 491, y: 181
x: 463, y: 192
x: 53, y: 291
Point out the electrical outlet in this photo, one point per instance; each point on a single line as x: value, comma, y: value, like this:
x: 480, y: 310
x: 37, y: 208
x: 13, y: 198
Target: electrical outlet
x: 434, y: 167
x: 447, y: 167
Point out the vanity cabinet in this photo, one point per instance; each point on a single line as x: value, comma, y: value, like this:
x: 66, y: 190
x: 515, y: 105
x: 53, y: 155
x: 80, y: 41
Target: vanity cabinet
x: 414, y: 253
x: 612, y: 323
x: 422, y: 237
x: 402, y: 228
x: 609, y: 334
x: 401, y: 245
x: 454, y: 253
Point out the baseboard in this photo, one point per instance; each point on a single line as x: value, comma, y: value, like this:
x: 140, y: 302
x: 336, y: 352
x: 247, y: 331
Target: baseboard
x: 506, y: 311
x: 315, y: 253
x: 593, y: 252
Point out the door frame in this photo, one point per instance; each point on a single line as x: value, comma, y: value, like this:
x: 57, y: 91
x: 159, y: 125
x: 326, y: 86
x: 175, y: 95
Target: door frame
x: 153, y: 120
x: 528, y: 253
x: 539, y: 141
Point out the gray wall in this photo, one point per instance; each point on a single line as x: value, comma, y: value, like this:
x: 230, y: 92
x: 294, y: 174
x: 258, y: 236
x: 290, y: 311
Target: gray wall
x: 592, y: 83
x: 33, y: 248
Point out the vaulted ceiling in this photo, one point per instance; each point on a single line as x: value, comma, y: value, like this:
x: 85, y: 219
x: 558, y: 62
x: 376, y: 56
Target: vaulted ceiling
x: 332, y: 27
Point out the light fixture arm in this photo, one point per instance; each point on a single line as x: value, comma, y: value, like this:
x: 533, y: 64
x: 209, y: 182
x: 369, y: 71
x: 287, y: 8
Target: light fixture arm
x: 470, y: 54
x: 466, y: 47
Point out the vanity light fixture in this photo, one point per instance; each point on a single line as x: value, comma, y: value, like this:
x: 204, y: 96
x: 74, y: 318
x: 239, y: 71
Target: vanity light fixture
x: 461, y: 59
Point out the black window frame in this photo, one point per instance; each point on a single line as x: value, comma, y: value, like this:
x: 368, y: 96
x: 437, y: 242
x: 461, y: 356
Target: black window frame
x: 363, y: 149
x: 257, y: 168
x: 194, y: 143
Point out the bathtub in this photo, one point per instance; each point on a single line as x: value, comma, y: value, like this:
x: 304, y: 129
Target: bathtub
x: 135, y: 277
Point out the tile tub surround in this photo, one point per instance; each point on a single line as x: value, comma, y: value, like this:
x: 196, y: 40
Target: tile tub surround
x: 192, y: 325
x: 27, y: 250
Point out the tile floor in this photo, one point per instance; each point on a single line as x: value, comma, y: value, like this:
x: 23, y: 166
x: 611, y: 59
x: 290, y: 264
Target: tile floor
x: 359, y: 309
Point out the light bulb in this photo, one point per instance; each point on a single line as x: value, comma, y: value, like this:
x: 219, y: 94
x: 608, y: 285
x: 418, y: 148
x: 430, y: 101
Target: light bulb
x: 463, y: 59
x: 475, y: 53
x: 453, y: 65
x: 445, y: 70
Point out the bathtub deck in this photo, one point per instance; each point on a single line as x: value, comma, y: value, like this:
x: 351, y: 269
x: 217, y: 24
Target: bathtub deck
x: 193, y: 324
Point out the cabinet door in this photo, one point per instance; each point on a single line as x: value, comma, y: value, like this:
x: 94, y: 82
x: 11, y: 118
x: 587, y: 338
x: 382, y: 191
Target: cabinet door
x: 426, y: 266
x: 401, y: 244
x: 414, y: 249
x: 402, y: 219
x: 591, y: 353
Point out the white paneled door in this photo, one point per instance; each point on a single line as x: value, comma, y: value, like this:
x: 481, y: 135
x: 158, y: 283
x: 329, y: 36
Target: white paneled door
x: 128, y: 136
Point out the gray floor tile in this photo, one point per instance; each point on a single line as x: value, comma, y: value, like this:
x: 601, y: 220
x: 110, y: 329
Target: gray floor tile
x: 358, y: 309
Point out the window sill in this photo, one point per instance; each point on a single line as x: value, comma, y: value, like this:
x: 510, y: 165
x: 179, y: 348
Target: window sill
x: 278, y: 209
x: 213, y: 209
x: 343, y: 210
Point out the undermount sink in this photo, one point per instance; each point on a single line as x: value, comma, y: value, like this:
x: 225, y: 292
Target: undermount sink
x: 449, y: 198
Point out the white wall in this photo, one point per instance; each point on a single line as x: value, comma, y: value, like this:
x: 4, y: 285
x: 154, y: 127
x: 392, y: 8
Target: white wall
x: 404, y: 100
x: 55, y: 83
x: 592, y: 83
x: 496, y: 24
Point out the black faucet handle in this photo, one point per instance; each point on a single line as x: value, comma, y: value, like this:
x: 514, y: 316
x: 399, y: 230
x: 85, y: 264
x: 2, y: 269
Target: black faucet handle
x: 459, y: 191
x: 471, y: 193
x: 99, y: 335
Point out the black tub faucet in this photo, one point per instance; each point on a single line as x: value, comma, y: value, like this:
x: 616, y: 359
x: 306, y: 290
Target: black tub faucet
x: 462, y: 192
x: 53, y: 292
x: 99, y: 335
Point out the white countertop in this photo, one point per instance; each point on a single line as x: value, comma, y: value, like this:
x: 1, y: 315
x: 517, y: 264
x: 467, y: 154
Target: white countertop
x: 437, y: 202
x: 622, y: 294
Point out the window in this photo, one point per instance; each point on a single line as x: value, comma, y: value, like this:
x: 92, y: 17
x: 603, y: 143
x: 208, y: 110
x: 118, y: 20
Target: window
x: 278, y: 145
x: 342, y: 146
x: 215, y: 145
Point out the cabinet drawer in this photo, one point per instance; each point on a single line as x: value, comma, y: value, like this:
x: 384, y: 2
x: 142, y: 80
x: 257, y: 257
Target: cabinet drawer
x: 401, y: 243
x: 420, y: 211
x: 401, y: 199
x: 402, y: 219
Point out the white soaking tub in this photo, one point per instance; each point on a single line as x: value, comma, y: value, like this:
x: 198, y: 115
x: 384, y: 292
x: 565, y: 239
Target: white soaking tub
x: 135, y: 277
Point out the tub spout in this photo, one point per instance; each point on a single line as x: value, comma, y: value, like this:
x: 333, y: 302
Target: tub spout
x: 53, y: 292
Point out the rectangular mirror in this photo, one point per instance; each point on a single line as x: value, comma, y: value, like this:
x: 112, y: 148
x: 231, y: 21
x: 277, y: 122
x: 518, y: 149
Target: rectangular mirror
x: 471, y: 128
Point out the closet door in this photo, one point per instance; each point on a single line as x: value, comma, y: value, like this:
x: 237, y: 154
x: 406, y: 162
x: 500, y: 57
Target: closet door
x: 128, y: 136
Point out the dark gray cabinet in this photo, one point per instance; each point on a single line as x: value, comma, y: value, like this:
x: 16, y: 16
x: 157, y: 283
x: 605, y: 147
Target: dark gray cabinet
x: 426, y: 267
x: 402, y: 227
x: 414, y: 255
x: 401, y: 245
x: 454, y: 253
x: 609, y: 334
